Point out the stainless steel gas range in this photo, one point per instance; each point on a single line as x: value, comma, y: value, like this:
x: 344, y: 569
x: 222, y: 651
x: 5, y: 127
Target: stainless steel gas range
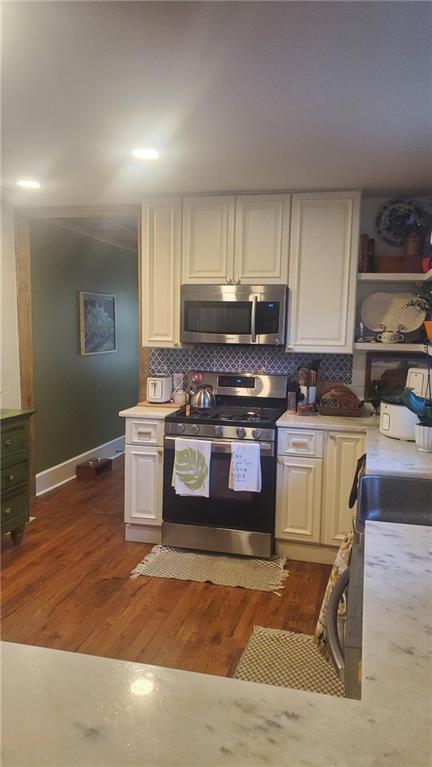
x: 247, y: 408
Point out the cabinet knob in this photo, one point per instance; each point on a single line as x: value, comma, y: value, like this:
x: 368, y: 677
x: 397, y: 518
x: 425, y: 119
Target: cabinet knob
x: 8, y: 510
x: 175, y: 344
x: 229, y: 280
x: 8, y: 442
x: 11, y: 477
x: 237, y: 281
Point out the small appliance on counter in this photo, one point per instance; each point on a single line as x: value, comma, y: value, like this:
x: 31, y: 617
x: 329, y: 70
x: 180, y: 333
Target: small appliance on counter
x: 395, y: 419
x: 159, y: 388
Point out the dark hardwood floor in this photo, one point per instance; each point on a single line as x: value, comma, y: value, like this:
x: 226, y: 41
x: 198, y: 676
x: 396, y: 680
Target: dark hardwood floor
x: 67, y: 586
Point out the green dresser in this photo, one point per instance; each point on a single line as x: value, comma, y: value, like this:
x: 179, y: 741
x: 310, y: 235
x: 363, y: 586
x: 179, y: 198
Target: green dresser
x: 14, y: 430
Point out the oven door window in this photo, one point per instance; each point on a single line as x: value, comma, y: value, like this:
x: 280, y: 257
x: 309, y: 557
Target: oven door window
x: 224, y: 508
x: 218, y: 317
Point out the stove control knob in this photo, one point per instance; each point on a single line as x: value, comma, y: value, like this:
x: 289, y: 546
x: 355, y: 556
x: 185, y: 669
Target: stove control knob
x: 180, y: 428
x: 218, y: 430
x: 241, y: 432
x: 195, y: 428
x: 256, y: 433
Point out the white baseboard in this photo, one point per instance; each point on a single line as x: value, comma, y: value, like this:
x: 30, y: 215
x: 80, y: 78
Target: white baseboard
x: 143, y: 533
x: 64, y: 472
x: 307, y: 552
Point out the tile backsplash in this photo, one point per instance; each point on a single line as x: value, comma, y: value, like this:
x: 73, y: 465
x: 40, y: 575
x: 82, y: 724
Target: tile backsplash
x: 261, y: 359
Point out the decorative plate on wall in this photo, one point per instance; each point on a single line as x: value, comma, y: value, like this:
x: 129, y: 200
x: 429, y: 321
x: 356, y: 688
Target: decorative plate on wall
x: 397, y: 219
x: 388, y: 311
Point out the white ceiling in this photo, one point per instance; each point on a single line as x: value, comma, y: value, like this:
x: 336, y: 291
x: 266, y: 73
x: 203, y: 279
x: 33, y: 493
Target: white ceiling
x: 236, y: 95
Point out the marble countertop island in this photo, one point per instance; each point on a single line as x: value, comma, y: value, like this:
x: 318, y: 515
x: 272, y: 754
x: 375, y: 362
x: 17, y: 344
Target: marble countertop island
x: 68, y: 710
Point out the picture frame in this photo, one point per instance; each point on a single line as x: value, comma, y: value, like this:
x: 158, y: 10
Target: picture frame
x: 97, y: 321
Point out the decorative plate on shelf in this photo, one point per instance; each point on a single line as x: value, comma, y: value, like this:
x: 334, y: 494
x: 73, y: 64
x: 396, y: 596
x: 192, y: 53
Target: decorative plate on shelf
x: 388, y: 311
x: 397, y: 219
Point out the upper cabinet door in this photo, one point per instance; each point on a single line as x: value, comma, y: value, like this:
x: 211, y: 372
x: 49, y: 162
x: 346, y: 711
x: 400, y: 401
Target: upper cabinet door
x: 322, y: 273
x: 208, y: 239
x: 262, y: 239
x: 160, y: 272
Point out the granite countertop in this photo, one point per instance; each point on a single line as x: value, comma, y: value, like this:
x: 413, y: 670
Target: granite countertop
x: 80, y: 711
x: 385, y: 456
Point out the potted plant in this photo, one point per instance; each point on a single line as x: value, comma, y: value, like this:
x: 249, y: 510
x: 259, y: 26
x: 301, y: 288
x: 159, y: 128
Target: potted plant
x: 422, y: 407
x: 423, y: 301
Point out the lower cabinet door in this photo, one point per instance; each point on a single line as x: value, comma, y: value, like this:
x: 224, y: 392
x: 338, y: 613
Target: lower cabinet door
x: 340, y: 460
x: 298, y: 499
x: 143, y: 485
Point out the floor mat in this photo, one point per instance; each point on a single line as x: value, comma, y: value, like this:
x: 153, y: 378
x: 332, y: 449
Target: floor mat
x: 286, y: 659
x: 223, y: 569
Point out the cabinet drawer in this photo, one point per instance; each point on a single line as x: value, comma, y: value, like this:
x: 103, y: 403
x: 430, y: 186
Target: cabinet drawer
x: 300, y: 442
x: 141, y: 432
x: 13, y: 475
x: 13, y: 441
x: 14, y: 507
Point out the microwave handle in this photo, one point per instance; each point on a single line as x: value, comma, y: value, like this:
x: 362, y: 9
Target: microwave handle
x: 253, y: 318
x: 335, y: 648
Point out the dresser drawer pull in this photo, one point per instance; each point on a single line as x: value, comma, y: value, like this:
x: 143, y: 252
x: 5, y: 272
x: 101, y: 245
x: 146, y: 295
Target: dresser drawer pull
x: 8, y: 510
x: 8, y: 442
x: 144, y: 433
x: 11, y: 477
x: 298, y: 443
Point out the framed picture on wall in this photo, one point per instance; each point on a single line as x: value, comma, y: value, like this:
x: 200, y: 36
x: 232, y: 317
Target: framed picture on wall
x: 97, y: 315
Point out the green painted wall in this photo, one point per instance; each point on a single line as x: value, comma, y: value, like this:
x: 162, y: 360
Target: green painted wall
x: 77, y: 398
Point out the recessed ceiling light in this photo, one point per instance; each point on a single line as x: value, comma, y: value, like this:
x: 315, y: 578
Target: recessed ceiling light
x: 27, y: 183
x: 145, y: 154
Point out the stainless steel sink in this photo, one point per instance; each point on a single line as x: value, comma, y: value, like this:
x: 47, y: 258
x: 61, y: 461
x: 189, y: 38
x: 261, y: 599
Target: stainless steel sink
x: 405, y: 500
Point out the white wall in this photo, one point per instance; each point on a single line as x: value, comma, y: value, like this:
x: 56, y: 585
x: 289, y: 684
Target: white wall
x: 10, y: 394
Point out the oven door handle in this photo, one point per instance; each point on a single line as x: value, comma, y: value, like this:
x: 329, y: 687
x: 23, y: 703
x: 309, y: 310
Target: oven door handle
x: 253, y: 318
x: 224, y: 446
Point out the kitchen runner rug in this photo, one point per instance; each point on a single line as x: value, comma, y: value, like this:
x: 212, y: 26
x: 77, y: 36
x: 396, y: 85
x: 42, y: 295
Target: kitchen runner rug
x: 286, y: 659
x: 223, y: 569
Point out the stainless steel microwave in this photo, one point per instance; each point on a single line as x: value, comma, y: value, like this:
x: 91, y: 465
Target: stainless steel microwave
x: 233, y: 314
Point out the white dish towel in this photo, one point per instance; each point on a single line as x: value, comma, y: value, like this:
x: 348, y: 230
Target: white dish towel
x: 191, y: 471
x: 245, y: 467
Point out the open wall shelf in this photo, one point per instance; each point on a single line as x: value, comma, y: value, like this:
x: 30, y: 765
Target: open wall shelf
x: 394, y: 277
x: 377, y: 346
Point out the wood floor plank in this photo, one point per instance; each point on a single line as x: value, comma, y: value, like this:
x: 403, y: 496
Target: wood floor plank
x: 68, y: 586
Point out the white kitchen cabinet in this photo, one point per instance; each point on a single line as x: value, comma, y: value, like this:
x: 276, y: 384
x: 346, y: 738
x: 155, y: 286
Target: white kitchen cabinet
x: 208, y: 239
x: 143, y: 485
x: 323, y: 271
x: 236, y: 240
x: 261, y: 239
x: 161, y: 272
x: 298, y: 499
x: 341, y: 455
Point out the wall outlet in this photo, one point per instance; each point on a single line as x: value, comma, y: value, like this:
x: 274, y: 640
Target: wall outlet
x: 177, y: 380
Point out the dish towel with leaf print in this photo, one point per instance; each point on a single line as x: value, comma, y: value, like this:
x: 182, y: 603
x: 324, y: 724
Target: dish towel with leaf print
x: 191, y: 472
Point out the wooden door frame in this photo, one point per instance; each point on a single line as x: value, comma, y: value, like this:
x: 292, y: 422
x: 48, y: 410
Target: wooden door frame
x: 23, y: 217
